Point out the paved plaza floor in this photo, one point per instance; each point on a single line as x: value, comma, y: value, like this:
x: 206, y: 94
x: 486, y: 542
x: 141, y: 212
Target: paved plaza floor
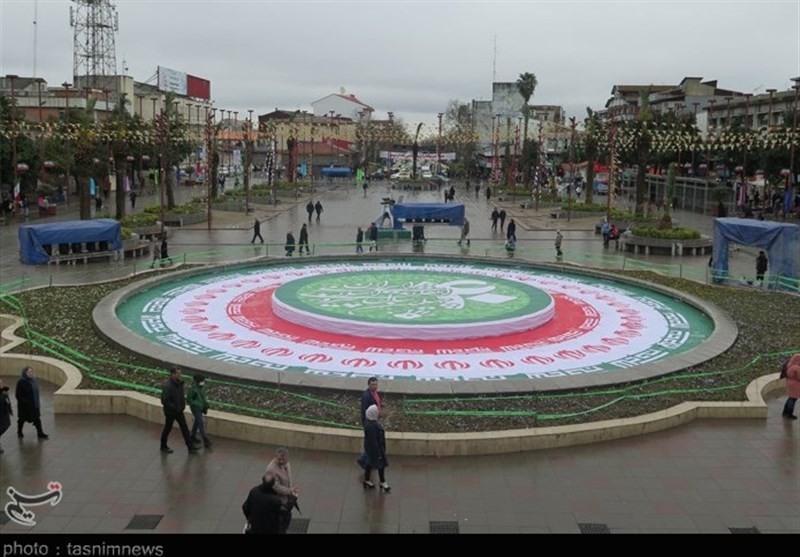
x: 710, y: 476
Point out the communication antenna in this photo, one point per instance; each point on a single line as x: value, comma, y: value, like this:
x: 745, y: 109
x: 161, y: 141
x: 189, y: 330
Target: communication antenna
x: 494, y: 61
x: 95, y: 24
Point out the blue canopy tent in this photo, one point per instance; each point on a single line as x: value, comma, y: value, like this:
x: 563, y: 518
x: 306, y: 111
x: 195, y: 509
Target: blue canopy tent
x: 336, y: 172
x: 444, y: 213
x: 781, y: 241
x: 33, y: 237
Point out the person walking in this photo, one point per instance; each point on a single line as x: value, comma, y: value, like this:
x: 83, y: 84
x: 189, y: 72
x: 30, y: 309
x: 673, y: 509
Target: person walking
x: 495, y: 217
x: 511, y: 231
x: 304, y: 240
x: 792, y: 386
x: 198, y: 404
x: 281, y: 470
x: 372, y: 235
x: 28, y: 403
x: 165, y: 250
x: 375, y: 449
x: 369, y: 397
x: 318, y: 209
x: 761, y: 266
x: 155, y: 249
x: 173, y: 402
x: 257, y: 232
x: 488, y: 193
x: 502, y: 216
x: 5, y: 410
x: 359, y: 240
x: 464, y: 232
x: 310, y: 209
x: 559, y: 238
x: 133, y: 195
x: 605, y: 230
x: 289, y: 244
x: 263, y: 508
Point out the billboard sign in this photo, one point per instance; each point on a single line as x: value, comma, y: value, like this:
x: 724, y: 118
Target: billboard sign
x: 171, y: 81
x: 198, y: 87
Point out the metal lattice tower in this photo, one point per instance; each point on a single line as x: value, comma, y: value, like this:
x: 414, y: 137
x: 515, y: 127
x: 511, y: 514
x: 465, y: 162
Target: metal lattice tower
x: 96, y: 23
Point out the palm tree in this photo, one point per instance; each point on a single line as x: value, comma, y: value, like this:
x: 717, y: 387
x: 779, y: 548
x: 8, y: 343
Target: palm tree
x: 591, y: 148
x: 526, y: 85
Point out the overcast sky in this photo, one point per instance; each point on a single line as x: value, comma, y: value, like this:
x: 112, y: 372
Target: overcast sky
x: 412, y: 57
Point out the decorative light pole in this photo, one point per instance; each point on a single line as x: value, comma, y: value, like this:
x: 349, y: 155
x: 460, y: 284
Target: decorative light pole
x: 439, y: 146
x: 66, y: 87
x: 248, y: 143
x: 792, y: 178
x: 12, y: 78
x: 769, y: 115
x: 573, y: 124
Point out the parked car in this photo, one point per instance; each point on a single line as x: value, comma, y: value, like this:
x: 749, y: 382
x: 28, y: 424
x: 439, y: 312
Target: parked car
x: 401, y: 175
x: 439, y: 179
x: 600, y: 188
x: 377, y: 175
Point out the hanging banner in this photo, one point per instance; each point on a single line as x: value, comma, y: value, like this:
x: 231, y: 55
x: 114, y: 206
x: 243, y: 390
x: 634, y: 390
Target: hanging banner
x: 127, y: 184
x: 92, y: 188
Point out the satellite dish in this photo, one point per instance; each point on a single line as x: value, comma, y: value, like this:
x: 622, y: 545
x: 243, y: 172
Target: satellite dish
x: 341, y: 90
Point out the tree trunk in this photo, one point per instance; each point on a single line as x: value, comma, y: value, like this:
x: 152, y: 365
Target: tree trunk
x: 84, y: 203
x: 169, y: 182
x: 641, y: 174
x: 590, y: 179
x: 121, y: 171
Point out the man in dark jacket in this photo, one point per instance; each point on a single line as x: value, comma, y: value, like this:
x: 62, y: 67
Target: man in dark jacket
x: 174, y: 402
x: 5, y: 410
x: 304, y: 240
x: 28, y: 406
x: 264, y: 509
x: 310, y: 210
x: 369, y: 397
x: 318, y: 209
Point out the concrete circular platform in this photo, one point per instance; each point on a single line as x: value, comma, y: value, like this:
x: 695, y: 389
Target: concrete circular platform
x: 396, y: 301
x: 603, y: 329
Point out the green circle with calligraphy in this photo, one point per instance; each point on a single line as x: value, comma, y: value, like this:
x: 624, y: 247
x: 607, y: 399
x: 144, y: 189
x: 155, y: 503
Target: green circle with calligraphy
x: 413, y: 297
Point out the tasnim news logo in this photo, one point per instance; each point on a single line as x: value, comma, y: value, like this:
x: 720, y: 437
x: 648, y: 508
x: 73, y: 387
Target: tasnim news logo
x: 17, y: 508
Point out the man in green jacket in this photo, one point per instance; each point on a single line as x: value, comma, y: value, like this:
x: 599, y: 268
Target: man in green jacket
x: 196, y: 397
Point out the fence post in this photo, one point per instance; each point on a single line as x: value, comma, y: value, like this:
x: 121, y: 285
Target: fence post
x: 680, y: 270
x: 184, y: 258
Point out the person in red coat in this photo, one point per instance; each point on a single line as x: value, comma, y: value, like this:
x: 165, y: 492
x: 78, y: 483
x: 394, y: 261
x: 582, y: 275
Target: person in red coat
x: 792, y: 386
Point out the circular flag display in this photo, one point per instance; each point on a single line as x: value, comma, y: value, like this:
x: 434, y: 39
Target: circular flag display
x: 415, y: 320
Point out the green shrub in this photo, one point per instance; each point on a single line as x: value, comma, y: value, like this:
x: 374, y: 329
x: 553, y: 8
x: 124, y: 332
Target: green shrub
x: 666, y: 234
x: 140, y: 220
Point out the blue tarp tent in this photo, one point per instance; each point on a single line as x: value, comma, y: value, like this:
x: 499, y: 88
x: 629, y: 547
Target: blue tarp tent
x: 446, y: 213
x: 33, y: 236
x: 781, y: 241
x: 336, y: 172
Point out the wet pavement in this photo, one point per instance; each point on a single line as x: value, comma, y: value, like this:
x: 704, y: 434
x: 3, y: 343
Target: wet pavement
x: 710, y: 476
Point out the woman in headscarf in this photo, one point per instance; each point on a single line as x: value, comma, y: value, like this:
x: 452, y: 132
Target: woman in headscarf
x: 792, y: 386
x: 28, y: 408
x: 375, y: 447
